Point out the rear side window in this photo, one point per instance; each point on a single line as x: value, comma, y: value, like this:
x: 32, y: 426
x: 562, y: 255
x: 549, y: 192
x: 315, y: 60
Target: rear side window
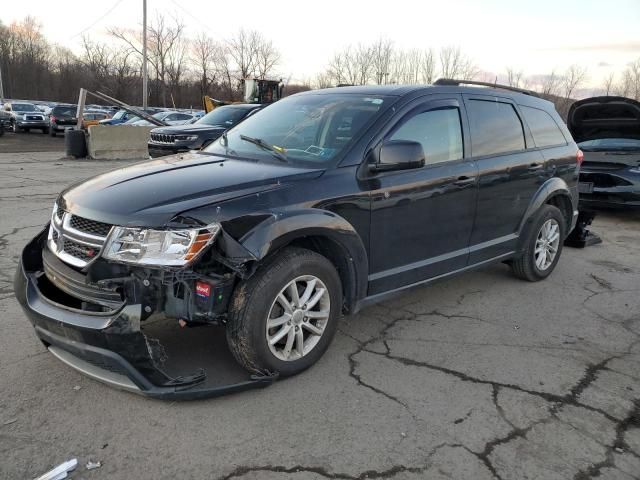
x: 543, y: 127
x: 495, y: 128
x: 438, y: 131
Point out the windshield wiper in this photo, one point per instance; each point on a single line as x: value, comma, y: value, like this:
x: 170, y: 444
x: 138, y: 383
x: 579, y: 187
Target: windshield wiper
x: 277, y: 152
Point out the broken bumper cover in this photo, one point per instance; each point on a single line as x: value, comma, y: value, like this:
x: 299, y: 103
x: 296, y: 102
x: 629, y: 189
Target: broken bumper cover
x: 109, y: 346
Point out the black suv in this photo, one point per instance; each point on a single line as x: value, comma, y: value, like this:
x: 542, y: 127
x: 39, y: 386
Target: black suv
x: 317, y: 205
x: 181, y: 138
x: 61, y: 118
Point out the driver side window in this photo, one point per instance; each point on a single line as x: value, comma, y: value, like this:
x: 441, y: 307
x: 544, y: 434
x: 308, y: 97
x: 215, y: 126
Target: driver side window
x: 438, y: 131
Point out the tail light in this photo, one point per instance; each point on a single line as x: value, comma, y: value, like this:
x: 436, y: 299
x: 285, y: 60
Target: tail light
x: 579, y: 157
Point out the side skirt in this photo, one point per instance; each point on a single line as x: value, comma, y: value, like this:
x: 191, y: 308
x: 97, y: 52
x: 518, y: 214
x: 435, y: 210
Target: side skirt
x: 379, y: 297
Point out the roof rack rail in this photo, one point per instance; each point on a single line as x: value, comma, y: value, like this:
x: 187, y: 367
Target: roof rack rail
x: 452, y: 82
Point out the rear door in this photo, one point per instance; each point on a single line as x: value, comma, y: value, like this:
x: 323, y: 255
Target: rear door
x: 509, y: 174
x: 421, y: 219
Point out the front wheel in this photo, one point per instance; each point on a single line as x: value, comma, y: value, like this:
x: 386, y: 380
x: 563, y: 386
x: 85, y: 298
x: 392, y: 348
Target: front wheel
x: 542, y: 245
x: 284, y: 317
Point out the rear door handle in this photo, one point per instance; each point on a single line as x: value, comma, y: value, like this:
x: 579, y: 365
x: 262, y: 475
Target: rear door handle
x: 535, y: 166
x: 464, y: 180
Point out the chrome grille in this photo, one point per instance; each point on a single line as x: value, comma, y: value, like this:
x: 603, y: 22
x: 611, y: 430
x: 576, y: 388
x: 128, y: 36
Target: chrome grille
x: 90, y: 226
x: 163, y: 138
x: 76, y: 240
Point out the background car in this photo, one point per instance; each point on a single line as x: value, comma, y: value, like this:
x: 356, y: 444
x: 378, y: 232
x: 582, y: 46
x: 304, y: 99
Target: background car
x: 175, y: 139
x: 93, y: 118
x: 61, y: 118
x: 168, y: 117
x: 607, y: 130
x: 25, y: 116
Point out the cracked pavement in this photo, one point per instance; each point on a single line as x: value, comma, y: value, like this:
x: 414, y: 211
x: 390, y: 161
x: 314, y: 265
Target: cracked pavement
x: 481, y: 376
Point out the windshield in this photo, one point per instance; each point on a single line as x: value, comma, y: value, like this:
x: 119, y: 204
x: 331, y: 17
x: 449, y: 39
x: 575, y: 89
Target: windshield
x: 120, y: 114
x: 24, y: 107
x: 605, y: 144
x: 65, y: 111
x: 310, y: 128
x: 225, y: 116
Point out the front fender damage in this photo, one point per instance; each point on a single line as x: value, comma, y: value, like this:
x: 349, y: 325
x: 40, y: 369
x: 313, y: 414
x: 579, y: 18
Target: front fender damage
x: 137, y: 339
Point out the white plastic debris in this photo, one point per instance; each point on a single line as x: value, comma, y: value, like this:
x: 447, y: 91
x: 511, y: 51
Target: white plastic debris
x: 93, y: 465
x: 60, y: 471
x: 77, y: 387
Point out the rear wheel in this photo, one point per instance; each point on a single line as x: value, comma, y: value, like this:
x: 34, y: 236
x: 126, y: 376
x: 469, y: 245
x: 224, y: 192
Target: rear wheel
x: 284, y: 317
x: 543, y: 245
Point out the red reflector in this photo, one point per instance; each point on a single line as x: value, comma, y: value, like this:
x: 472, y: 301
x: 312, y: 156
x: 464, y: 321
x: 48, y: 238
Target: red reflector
x: 203, y: 289
x: 579, y: 157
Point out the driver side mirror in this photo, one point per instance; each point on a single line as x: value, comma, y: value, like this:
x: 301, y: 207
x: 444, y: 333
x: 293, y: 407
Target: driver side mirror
x: 399, y: 155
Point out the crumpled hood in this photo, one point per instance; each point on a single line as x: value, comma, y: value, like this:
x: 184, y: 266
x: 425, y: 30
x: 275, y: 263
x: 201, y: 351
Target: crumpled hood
x: 151, y: 194
x: 603, y: 117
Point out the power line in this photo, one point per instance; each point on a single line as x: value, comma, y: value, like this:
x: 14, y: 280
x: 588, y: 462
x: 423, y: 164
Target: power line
x: 206, y: 26
x: 118, y: 2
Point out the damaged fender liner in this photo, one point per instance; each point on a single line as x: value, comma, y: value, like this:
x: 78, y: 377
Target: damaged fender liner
x: 111, y: 343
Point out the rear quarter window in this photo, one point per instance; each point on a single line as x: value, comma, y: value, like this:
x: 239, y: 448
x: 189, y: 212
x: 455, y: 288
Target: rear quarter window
x: 495, y: 128
x: 544, y: 128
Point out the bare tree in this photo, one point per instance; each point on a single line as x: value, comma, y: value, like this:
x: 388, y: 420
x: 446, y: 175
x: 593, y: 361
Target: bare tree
x: 243, y: 49
x: 267, y: 55
x: 629, y: 86
x: 381, y: 56
x: 573, y: 78
x: 322, y: 80
x: 205, y: 57
x: 454, y: 64
x: 609, y: 82
x: 165, y: 46
x: 515, y: 78
x: 428, y: 67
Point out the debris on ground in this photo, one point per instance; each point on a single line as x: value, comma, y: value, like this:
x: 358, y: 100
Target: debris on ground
x: 60, y: 472
x: 77, y: 387
x: 9, y: 422
x: 93, y: 465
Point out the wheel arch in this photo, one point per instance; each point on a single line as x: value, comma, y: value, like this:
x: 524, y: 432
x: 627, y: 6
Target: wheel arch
x: 323, y: 232
x: 554, y: 191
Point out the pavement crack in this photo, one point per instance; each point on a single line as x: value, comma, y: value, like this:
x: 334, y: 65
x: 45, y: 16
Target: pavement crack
x: 619, y: 445
x: 324, y: 471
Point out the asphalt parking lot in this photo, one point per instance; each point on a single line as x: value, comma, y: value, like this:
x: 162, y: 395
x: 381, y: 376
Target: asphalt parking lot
x: 478, y: 377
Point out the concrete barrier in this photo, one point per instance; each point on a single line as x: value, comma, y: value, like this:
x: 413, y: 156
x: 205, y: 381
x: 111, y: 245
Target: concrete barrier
x: 118, y: 142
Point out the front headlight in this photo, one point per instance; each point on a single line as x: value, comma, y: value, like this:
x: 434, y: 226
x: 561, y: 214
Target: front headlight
x: 174, y: 248
x: 187, y: 138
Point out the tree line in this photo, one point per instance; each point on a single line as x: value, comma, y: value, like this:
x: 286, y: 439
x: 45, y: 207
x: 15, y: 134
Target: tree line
x: 180, y: 69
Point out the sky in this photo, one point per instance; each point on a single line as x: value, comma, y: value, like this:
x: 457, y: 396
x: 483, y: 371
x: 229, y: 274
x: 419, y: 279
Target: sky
x: 532, y: 36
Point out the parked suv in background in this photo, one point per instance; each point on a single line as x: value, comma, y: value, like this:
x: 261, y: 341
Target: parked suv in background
x: 25, y: 116
x: 61, y: 118
x: 175, y: 139
x: 317, y: 205
x: 607, y: 130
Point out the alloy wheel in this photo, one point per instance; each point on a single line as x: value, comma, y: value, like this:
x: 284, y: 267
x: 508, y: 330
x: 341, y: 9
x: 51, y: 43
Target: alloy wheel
x: 298, y: 317
x: 547, y: 243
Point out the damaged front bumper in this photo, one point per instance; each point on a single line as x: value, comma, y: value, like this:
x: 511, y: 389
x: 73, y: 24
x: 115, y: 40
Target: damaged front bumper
x: 109, y: 345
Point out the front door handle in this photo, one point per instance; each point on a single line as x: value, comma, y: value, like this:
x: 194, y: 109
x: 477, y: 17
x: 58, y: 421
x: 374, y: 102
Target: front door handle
x: 464, y: 180
x: 535, y: 166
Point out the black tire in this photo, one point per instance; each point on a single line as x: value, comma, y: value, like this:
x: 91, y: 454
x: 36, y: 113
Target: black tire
x: 52, y: 131
x: 27, y: 130
x: 45, y: 130
x: 525, y: 267
x: 252, y: 302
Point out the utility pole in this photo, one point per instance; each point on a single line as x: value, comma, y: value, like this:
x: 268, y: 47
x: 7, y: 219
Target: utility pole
x: 1, y: 89
x: 145, y: 93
